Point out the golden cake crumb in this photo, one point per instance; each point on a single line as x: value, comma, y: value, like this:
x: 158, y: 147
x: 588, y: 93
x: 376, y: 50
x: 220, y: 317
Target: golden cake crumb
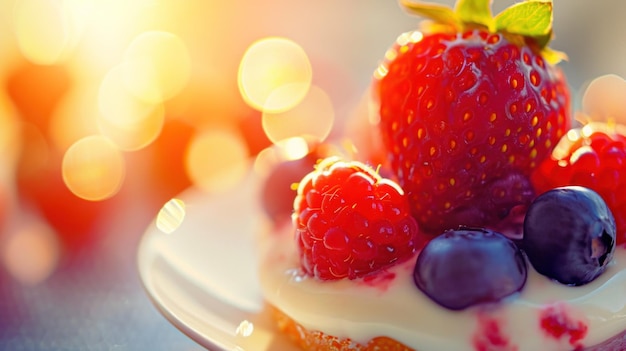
x: 317, y: 341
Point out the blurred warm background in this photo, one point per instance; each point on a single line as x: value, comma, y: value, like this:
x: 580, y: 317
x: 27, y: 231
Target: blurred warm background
x: 109, y: 108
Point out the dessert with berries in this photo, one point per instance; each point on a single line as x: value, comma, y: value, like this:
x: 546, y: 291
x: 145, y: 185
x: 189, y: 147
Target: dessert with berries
x: 492, y: 224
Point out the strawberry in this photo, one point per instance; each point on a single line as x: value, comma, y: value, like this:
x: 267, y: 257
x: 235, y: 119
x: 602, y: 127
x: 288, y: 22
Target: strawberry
x: 350, y: 222
x: 593, y: 156
x: 468, y: 104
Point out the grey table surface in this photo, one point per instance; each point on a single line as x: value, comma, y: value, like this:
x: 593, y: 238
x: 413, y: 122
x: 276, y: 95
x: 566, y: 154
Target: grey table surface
x: 94, y: 300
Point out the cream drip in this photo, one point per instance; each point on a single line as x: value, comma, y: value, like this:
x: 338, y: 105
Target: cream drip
x: 397, y: 309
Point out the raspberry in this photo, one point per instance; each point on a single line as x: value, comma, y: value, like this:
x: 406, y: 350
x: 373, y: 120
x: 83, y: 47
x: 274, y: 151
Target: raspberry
x: 594, y: 157
x: 351, y: 222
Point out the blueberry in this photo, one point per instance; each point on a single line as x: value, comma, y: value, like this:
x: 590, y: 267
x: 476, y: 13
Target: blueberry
x: 469, y: 266
x: 569, y: 235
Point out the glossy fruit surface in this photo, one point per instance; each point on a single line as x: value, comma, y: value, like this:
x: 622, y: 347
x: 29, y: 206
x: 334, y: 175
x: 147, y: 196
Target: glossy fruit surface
x: 350, y: 222
x: 569, y: 235
x: 460, y: 109
x: 469, y: 266
x: 593, y: 156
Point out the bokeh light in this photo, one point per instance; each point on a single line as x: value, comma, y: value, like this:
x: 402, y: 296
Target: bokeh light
x: 31, y: 253
x: 93, y: 168
x: 274, y: 67
x: 130, y: 122
x: 43, y: 30
x: 265, y: 161
x: 293, y: 148
x: 171, y: 216
x: 312, y: 118
x: 134, y: 136
x: 245, y: 328
x: 75, y: 117
x: 217, y: 159
x: 285, y: 150
x: 156, y: 66
x: 9, y: 135
x: 604, y: 99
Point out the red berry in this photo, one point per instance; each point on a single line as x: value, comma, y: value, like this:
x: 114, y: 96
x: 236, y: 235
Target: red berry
x: 594, y: 157
x: 461, y: 110
x: 350, y: 222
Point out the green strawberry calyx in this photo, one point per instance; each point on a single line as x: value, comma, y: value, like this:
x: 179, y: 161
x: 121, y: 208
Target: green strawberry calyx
x: 528, y: 22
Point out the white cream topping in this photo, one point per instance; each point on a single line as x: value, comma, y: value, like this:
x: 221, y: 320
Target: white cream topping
x: 398, y: 309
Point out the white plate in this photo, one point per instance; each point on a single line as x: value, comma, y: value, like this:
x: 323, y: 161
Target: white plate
x: 202, y: 277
